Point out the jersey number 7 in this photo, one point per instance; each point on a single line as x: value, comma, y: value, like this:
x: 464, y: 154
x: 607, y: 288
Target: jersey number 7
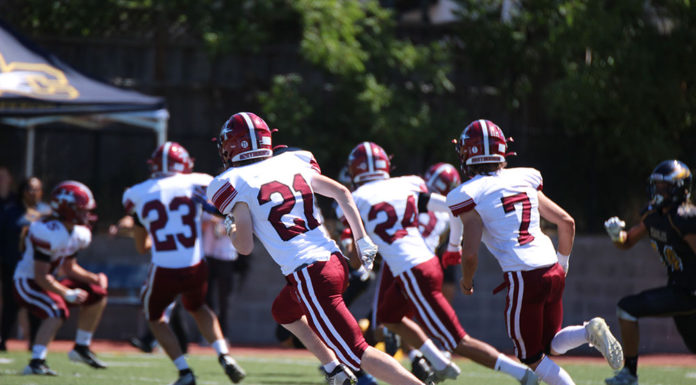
x: 509, y: 206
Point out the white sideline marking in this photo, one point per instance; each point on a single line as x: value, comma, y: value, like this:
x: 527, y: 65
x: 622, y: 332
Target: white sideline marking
x: 6, y: 360
x: 690, y: 375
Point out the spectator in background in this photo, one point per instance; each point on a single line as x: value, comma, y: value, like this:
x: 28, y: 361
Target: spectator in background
x: 221, y: 257
x: 16, y: 216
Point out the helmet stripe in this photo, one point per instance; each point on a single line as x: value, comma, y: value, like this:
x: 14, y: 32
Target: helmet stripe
x: 484, y: 132
x: 165, y: 156
x: 437, y: 173
x: 368, y: 153
x: 252, y: 134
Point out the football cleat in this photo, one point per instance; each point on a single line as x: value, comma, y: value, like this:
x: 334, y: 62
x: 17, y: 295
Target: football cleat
x: 530, y: 378
x: 185, y: 379
x: 341, y: 375
x: 450, y: 372
x: 599, y: 336
x: 38, y: 367
x: 232, y: 368
x: 81, y: 353
x: 622, y: 377
x: 421, y: 369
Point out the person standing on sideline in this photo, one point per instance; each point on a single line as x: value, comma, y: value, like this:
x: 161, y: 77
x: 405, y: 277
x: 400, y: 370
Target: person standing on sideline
x: 220, y: 256
x: 51, y: 245
x: 19, y: 212
x: 168, y: 224
x: 669, y: 221
x: 503, y: 206
x: 411, y: 284
x: 273, y: 197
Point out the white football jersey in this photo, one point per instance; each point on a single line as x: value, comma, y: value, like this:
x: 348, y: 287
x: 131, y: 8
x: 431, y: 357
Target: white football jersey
x: 389, y: 209
x: 165, y: 208
x: 508, y: 204
x: 432, y: 224
x: 281, y: 201
x: 51, y: 238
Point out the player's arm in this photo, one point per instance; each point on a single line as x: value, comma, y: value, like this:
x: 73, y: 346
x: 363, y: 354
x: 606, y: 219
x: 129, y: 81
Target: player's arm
x: 46, y: 280
x: 623, y: 239
x: 555, y: 214
x: 438, y: 203
x: 473, y: 230
x: 241, y: 233
x: 332, y: 189
x: 142, y: 240
x: 77, y: 273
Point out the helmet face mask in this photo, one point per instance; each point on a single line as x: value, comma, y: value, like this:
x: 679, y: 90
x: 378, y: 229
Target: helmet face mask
x: 73, y: 202
x: 244, y: 137
x: 669, y: 184
x: 367, y: 162
x: 170, y: 157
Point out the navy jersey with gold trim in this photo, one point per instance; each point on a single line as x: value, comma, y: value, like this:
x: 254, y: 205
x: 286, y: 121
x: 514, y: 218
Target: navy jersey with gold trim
x: 666, y: 232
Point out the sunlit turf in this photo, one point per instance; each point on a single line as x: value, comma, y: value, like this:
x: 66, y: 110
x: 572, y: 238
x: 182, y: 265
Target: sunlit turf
x: 264, y: 369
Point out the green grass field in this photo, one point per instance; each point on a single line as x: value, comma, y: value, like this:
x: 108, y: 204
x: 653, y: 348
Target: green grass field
x: 264, y: 369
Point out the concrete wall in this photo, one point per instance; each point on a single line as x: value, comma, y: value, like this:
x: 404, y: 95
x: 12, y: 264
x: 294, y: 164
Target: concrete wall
x: 599, y: 276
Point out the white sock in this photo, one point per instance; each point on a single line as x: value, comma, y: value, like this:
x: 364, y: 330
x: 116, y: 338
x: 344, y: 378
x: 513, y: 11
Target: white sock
x: 330, y: 366
x: 413, y: 354
x: 38, y: 351
x: 434, y: 355
x: 509, y: 366
x: 552, y: 374
x: 220, y: 346
x: 569, y: 337
x: 181, y: 363
x: 83, y: 337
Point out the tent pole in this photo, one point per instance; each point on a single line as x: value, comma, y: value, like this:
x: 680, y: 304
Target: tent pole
x: 29, y: 161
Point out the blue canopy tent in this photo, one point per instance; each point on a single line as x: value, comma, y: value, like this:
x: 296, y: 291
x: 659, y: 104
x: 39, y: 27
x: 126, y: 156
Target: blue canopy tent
x: 36, y: 88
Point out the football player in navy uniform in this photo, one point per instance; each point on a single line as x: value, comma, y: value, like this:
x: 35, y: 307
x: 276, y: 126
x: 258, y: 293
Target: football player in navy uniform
x: 670, y: 222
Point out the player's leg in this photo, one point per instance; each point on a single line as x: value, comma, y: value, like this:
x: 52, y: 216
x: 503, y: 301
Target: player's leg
x: 319, y: 288
x: 160, y: 290
x: 686, y: 325
x: 193, y: 299
x: 52, y: 310
x: 89, y: 316
x: 529, y: 325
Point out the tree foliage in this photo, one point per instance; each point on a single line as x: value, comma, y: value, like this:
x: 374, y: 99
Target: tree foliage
x: 606, y: 83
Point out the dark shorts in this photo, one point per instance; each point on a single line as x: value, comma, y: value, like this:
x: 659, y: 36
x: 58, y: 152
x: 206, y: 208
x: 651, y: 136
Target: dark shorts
x: 47, y: 304
x: 534, y: 309
x: 163, y: 285
x: 668, y: 301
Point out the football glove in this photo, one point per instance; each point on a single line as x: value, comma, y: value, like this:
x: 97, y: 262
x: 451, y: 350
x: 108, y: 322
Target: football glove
x: 367, y: 251
x: 615, y: 227
x: 73, y: 295
x: 229, y: 224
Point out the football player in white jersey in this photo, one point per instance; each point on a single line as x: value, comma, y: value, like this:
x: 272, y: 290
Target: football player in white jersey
x: 441, y: 178
x: 168, y: 226
x: 389, y: 207
x: 273, y: 197
x: 503, y: 206
x: 51, y: 246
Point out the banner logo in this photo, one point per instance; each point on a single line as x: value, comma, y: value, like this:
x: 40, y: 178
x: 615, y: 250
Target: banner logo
x: 35, y: 80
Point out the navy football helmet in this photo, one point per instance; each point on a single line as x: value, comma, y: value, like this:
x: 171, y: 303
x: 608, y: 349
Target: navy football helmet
x: 669, y: 183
